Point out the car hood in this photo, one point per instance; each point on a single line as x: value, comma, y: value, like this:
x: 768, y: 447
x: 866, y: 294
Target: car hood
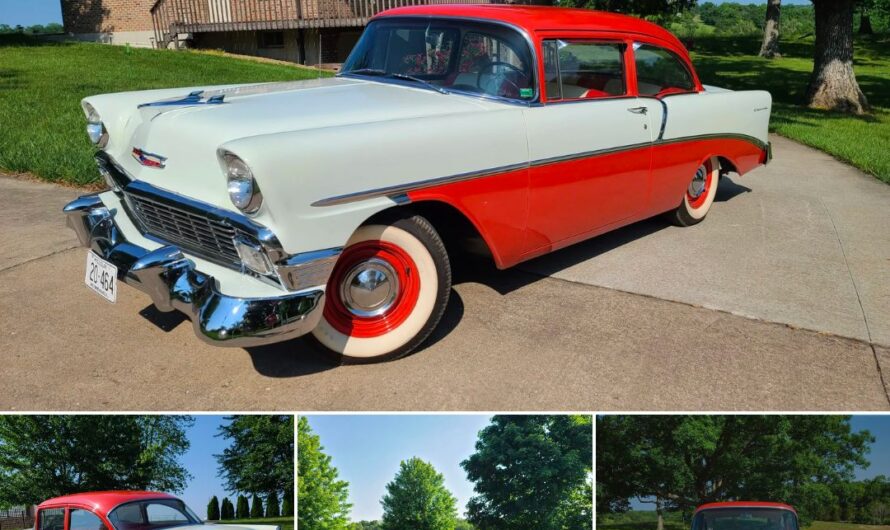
x: 187, y: 136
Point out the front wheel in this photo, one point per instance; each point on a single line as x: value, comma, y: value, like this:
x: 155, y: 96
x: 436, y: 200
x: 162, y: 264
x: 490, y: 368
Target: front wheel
x: 387, y: 292
x: 699, y: 195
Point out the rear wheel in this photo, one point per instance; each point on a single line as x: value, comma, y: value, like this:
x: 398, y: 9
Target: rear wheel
x: 699, y: 195
x: 387, y: 292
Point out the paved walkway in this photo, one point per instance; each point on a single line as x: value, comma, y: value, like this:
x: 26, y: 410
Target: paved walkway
x: 779, y: 301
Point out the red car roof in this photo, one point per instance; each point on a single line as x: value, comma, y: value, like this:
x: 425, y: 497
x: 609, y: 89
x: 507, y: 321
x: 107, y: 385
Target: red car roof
x: 103, y: 501
x: 746, y: 504
x: 542, y: 18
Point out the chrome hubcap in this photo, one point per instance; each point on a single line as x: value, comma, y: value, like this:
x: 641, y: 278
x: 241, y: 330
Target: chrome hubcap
x: 697, y: 186
x: 370, y: 288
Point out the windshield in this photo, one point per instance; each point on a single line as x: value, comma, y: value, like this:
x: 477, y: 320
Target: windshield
x: 456, y: 55
x: 745, y: 519
x: 152, y: 514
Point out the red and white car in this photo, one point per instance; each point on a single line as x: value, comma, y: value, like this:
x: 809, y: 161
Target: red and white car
x: 745, y: 515
x: 331, y: 207
x: 124, y: 510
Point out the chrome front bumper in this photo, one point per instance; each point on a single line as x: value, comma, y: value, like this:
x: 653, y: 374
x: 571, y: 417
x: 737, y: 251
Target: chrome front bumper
x: 173, y: 282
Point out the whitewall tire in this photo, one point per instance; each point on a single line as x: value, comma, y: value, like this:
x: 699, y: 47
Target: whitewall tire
x: 387, y: 292
x: 699, y: 194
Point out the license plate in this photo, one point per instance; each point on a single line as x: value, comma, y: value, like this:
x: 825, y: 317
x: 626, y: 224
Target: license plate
x: 101, y: 277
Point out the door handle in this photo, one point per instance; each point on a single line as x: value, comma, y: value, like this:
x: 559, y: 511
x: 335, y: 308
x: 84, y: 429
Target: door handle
x: 638, y: 110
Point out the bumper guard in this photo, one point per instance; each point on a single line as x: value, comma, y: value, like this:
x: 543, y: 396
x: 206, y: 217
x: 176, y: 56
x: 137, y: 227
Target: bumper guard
x: 173, y: 282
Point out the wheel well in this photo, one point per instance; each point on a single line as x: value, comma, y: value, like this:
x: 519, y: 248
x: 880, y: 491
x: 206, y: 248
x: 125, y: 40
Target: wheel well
x: 457, y: 232
x: 726, y: 165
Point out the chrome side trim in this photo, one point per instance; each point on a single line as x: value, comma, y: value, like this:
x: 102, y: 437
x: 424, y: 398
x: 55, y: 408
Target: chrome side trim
x: 173, y: 283
x: 401, y: 189
x: 396, y: 192
x: 588, y: 154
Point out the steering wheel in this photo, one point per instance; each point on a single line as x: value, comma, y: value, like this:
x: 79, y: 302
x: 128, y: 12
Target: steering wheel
x: 503, y: 76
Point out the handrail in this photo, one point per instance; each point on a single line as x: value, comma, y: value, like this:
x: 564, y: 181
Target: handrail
x: 171, y: 18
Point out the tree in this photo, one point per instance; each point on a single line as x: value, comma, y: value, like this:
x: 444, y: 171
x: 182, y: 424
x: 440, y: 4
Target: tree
x: 47, y: 456
x: 260, y: 457
x: 213, y: 509
x: 635, y: 7
x: 833, y: 84
x: 683, y: 461
x: 770, y: 46
x: 272, y: 507
x: 227, y: 510
x: 526, y: 468
x: 323, y: 497
x: 242, y: 510
x: 256, y: 508
x: 287, y: 507
x: 418, y: 499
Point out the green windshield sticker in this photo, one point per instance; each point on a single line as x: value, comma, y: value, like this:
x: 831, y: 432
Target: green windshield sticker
x: 526, y: 92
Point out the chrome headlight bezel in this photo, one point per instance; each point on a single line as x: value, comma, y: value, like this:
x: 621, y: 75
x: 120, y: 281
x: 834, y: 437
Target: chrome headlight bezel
x: 95, y: 127
x: 244, y: 192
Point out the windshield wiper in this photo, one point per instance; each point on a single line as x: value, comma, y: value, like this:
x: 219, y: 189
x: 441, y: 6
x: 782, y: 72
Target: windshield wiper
x: 376, y: 72
x: 367, y: 71
x: 424, y: 82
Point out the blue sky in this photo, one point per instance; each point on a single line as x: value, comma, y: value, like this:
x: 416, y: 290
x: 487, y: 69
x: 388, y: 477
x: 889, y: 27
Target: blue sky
x: 879, y: 456
x: 30, y: 12
x: 199, y: 460
x: 367, y: 451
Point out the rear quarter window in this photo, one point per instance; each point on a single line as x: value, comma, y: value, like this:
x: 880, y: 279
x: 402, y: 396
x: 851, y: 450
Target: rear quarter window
x: 660, y: 72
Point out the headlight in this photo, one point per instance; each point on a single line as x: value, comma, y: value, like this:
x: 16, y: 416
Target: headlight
x: 243, y: 189
x: 95, y: 128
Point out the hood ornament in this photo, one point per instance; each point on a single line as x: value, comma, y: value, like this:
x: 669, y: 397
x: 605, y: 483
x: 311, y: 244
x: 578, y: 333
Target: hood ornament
x: 194, y: 98
x: 149, y: 159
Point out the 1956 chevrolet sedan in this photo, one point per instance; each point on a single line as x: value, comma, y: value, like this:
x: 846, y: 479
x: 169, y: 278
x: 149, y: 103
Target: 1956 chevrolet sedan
x: 330, y: 207
x: 124, y: 510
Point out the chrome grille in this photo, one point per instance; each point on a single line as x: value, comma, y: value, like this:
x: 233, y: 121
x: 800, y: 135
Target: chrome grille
x: 205, y: 237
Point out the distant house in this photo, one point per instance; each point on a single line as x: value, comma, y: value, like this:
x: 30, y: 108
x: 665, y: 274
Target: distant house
x: 301, y: 31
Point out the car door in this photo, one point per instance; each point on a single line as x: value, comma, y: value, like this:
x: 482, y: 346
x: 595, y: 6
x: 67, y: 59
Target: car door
x: 589, y: 143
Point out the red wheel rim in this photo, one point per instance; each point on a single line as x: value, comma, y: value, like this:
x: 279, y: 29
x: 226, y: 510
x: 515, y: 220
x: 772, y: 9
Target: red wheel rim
x: 696, y: 201
x: 346, y: 321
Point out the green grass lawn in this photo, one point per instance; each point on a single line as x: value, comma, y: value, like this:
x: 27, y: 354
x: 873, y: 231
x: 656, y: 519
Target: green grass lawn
x: 42, y: 127
x: 286, y: 523
x: 673, y: 521
x: 41, y: 85
x: 731, y: 62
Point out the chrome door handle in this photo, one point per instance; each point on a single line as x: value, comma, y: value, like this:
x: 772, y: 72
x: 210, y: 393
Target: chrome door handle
x: 638, y: 110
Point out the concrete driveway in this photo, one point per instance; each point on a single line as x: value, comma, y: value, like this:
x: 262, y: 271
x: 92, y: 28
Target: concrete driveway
x: 779, y: 301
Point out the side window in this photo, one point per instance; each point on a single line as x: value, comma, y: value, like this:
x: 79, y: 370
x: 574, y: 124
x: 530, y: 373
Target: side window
x: 52, y: 519
x: 660, y: 72
x: 578, y: 69
x: 85, y: 520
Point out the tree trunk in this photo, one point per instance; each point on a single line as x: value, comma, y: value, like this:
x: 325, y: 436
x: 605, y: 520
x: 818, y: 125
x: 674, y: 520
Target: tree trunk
x: 833, y: 84
x: 865, y: 23
x: 770, y: 46
x: 660, y: 512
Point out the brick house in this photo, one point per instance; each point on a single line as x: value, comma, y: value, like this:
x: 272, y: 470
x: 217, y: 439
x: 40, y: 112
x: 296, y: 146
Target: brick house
x: 301, y: 31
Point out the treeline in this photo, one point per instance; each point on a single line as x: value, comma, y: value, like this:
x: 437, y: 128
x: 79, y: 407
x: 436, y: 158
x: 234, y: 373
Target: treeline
x: 527, y: 471
x: 37, y: 29
x: 677, y: 463
x: 688, y: 18
x: 257, y: 509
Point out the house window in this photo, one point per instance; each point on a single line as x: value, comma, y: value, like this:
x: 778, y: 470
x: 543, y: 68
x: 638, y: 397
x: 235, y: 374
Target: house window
x: 271, y: 39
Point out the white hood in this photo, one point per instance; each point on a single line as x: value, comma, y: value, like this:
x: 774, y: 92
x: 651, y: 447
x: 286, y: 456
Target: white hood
x: 188, y: 136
